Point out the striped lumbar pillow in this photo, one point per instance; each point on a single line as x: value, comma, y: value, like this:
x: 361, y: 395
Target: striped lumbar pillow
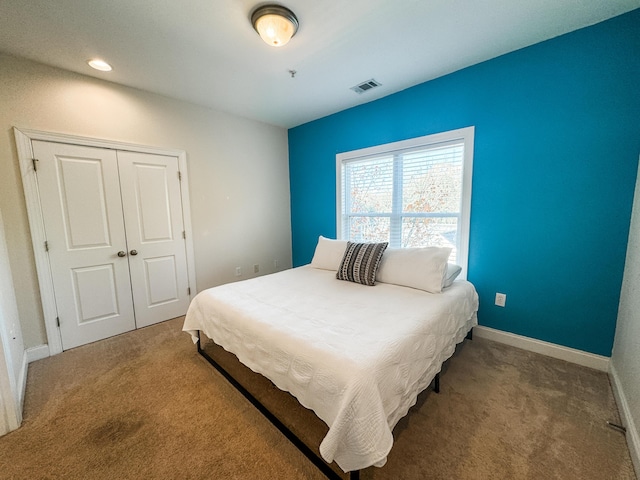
x: 360, y: 262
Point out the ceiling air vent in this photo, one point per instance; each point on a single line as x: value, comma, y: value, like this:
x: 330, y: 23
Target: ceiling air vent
x: 364, y: 86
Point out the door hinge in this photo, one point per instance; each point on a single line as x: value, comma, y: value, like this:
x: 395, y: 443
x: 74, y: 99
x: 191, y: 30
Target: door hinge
x: 58, y: 321
x: 179, y: 176
x: 35, y: 165
x: 46, y: 246
x: 189, y: 291
x: 184, y: 234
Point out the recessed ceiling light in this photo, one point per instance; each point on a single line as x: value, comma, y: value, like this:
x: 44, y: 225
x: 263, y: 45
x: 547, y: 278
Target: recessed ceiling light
x: 99, y: 65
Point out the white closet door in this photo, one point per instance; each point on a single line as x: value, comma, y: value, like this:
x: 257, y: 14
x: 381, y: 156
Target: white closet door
x: 157, y: 251
x: 82, y: 211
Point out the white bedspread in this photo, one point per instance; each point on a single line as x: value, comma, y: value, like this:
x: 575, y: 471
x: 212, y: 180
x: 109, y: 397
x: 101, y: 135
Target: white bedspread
x: 358, y: 356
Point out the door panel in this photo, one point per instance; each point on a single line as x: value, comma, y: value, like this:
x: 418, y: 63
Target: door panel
x: 152, y: 196
x: 82, y: 210
x: 161, y: 279
x: 84, y: 204
x: 153, y: 217
x: 95, y: 293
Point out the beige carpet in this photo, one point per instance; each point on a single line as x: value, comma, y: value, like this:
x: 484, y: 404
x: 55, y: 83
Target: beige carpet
x: 146, y: 405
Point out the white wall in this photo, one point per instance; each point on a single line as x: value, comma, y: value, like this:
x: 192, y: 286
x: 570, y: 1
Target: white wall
x: 238, y: 171
x: 625, y: 359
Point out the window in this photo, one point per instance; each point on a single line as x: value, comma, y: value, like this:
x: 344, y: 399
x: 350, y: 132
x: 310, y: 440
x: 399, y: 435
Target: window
x: 413, y: 193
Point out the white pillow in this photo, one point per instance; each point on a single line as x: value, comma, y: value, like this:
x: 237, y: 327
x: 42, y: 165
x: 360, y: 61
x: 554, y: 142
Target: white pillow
x: 452, y: 273
x: 421, y: 268
x: 329, y: 253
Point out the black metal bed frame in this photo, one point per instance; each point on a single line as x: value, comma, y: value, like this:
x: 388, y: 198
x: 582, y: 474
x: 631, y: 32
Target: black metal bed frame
x: 276, y: 422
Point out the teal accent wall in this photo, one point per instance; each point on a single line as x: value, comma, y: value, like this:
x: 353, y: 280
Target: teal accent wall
x: 557, y: 140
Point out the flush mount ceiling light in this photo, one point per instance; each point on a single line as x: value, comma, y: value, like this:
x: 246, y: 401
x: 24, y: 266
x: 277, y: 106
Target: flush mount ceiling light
x: 275, y: 24
x: 99, y: 65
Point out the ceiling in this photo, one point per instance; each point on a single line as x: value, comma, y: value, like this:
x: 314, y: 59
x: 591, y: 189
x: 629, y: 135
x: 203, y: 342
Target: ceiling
x: 206, y: 51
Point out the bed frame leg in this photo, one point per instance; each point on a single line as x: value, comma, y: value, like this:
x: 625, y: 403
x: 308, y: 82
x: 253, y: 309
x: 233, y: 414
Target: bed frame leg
x: 275, y: 421
x: 436, y: 379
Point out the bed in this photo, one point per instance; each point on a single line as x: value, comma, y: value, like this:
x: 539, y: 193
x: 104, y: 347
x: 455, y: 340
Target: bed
x: 356, y: 355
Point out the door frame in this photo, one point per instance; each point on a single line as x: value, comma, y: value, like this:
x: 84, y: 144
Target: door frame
x: 24, y: 137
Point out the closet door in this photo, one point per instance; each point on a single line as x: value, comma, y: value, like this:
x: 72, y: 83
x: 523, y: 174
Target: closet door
x: 82, y: 210
x: 152, y: 204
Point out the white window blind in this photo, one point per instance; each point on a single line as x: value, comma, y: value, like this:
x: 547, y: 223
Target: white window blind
x: 410, y: 194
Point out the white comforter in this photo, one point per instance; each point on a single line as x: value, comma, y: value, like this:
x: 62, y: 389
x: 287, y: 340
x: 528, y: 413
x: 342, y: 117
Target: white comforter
x: 358, y: 356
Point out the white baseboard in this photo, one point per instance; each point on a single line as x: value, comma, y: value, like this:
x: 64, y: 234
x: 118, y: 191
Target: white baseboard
x: 567, y: 354
x: 30, y: 355
x: 37, y: 353
x: 632, y: 435
x: 22, y: 384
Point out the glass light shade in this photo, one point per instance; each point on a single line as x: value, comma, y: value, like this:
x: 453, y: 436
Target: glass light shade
x: 274, y: 30
x: 275, y: 24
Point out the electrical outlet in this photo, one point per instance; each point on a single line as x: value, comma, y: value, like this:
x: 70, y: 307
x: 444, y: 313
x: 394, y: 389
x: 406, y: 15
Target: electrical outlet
x: 238, y: 271
x: 256, y: 268
x: 501, y: 299
x: 276, y: 264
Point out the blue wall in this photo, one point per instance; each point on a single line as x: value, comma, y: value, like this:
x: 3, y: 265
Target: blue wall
x: 556, y: 156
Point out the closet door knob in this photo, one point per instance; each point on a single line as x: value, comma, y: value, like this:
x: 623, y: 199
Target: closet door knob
x: 122, y: 253
x: 133, y: 252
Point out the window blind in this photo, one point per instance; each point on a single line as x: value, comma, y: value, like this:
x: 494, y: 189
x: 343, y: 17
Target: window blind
x: 410, y: 198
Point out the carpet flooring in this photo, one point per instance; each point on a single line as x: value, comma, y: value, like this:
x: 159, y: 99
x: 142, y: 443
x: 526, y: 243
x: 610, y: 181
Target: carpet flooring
x: 146, y: 405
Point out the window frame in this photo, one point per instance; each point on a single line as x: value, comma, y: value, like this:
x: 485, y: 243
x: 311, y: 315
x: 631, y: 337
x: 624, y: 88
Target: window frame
x: 462, y: 135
